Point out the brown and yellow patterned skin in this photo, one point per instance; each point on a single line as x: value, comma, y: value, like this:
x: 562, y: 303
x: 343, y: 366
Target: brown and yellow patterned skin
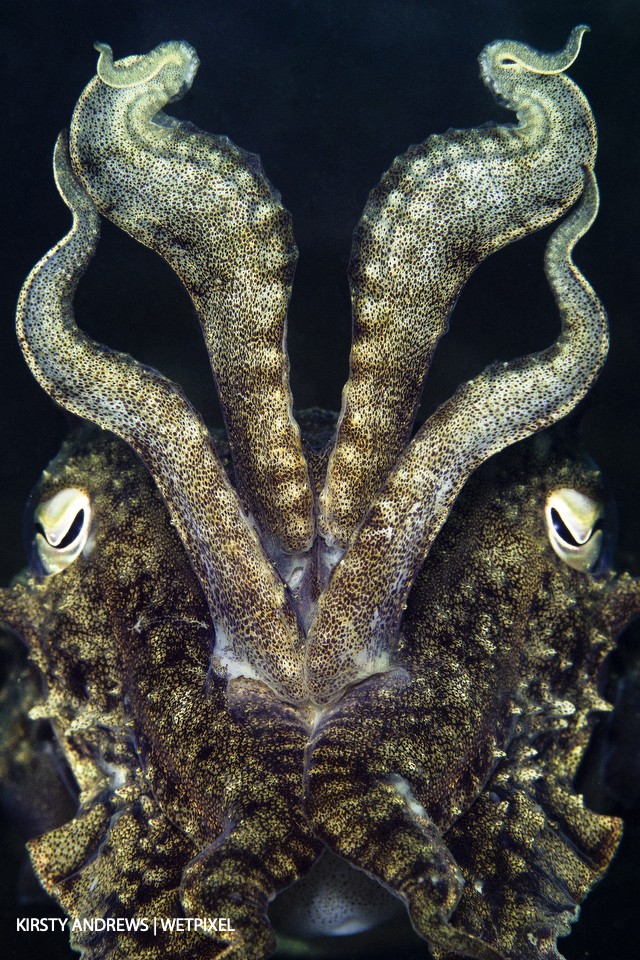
x: 268, y: 660
x: 122, y: 640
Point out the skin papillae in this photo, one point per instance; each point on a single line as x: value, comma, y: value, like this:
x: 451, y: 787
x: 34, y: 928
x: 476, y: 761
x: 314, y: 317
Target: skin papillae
x: 268, y: 651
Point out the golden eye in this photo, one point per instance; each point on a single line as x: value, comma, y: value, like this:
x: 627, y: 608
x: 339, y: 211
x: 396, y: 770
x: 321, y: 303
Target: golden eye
x: 574, y: 527
x: 62, y: 526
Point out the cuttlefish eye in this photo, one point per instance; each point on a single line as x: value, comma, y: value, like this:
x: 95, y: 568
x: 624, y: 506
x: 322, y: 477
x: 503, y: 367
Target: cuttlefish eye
x: 575, y: 524
x: 62, y: 525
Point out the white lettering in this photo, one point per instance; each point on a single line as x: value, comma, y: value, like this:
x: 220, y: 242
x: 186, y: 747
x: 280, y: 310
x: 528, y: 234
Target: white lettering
x: 39, y: 924
x: 205, y: 925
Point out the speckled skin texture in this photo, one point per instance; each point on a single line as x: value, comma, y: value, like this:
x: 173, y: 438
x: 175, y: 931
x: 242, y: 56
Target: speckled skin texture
x: 441, y: 209
x: 131, y: 625
x: 272, y: 648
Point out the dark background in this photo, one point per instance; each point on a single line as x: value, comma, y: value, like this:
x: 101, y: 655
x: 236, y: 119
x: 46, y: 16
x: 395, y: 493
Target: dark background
x: 327, y: 93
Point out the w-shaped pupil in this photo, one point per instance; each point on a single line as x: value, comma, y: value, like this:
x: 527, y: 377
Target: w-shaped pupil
x: 72, y: 533
x: 563, y: 531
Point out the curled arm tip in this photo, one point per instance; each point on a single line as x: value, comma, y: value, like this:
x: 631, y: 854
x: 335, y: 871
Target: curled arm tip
x: 134, y: 71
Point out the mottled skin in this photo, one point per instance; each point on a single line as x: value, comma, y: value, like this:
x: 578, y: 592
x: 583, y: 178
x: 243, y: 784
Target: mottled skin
x: 282, y: 648
x: 122, y: 640
x: 206, y: 206
x: 498, y: 667
x: 442, y: 208
x: 351, y: 634
x: 491, y: 576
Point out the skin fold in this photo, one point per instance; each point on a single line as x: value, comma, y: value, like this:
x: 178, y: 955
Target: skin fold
x: 254, y: 653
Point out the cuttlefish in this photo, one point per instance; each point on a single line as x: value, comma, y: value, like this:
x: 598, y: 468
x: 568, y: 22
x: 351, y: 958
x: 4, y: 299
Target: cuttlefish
x: 309, y: 673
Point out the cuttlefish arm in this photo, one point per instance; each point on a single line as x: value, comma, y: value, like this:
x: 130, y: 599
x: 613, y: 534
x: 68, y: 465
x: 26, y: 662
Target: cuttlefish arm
x: 152, y: 414
x: 441, y: 209
x: 355, y: 632
x: 206, y: 206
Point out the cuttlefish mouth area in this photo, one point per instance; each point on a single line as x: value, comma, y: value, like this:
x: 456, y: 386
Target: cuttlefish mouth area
x: 316, y: 716
x: 311, y: 714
